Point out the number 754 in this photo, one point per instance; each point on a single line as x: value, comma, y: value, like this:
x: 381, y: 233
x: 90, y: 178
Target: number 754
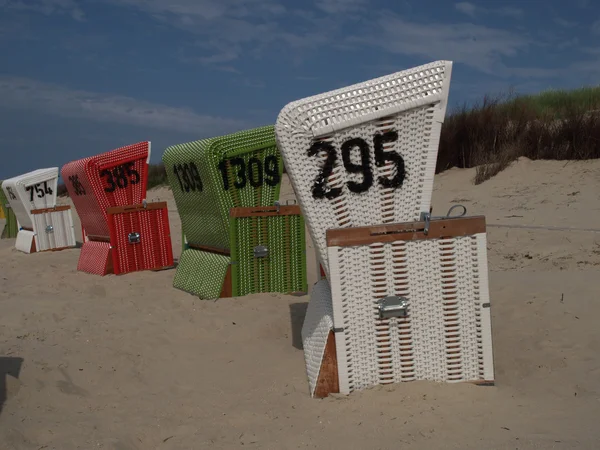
x: 382, y: 158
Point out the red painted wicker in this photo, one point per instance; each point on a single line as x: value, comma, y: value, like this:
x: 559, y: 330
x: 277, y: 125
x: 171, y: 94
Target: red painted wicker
x: 115, y: 178
x: 140, y: 237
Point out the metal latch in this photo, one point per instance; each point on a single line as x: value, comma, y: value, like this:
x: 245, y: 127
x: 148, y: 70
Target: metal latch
x: 134, y: 238
x: 260, y: 251
x: 426, y: 217
x: 393, y: 306
x: 49, y: 229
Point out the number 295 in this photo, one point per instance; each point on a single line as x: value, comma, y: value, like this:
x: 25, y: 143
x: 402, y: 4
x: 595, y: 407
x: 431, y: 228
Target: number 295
x: 382, y: 158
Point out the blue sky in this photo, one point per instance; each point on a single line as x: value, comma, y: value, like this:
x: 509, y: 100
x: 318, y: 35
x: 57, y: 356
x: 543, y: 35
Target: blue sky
x: 81, y: 77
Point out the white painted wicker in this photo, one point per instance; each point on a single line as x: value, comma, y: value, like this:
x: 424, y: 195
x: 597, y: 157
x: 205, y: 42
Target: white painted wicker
x: 32, y: 191
x: 406, y: 110
x: 24, y: 240
x: 446, y: 335
x: 317, y: 324
x: 54, y: 229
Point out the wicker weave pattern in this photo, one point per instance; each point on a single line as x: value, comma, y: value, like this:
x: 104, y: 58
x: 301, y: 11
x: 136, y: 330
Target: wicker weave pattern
x: 411, y: 103
x: 283, y: 270
x: 62, y: 234
x: 317, y: 324
x: 205, y: 214
x: 95, y: 258
x: 154, y: 251
x: 201, y: 273
x: 447, y: 333
x: 92, y: 204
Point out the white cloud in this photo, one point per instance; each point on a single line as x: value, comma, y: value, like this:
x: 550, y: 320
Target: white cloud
x: 472, y: 10
x: 466, y: 8
x: 234, y: 28
x: 27, y: 94
x: 340, y: 6
x: 47, y: 7
x: 477, y: 46
x: 565, y: 23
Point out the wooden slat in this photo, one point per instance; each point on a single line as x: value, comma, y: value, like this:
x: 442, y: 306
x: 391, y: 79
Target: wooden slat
x: 209, y: 249
x: 328, y: 381
x: 406, y: 231
x: 49, y: 210
x: 227, y: 290
x: 134, y: 208
x: 96, y: 238
x: 265, y: 211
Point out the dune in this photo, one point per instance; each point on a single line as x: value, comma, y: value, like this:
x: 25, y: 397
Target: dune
x: 128, y: 362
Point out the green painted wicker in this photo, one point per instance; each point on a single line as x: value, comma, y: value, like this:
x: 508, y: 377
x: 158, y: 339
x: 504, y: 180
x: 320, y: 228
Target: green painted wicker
x: 283, y: 269
x: 206, y: 182
x: 205, y: 212
x: 11, y: 228
x: 211, y: 267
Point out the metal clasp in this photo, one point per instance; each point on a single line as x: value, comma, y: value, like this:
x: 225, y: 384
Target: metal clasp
x: 277, y: 205
x: 260, y: 251
x: 393, y: 306
x: 49, y: 229
x: 134, y: 238
x: 426, y: 217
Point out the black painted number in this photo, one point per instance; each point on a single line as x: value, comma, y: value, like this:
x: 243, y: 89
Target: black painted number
x: 77, y: 186
x: 188, y: 177
x: 255, y: 172
x: 382, y: 158
x: 11, y: 194
x: 120, y: 176
x: 320, y: 188
x: 37, y: 189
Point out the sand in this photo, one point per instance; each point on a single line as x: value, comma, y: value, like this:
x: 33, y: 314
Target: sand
x: 130, y: 363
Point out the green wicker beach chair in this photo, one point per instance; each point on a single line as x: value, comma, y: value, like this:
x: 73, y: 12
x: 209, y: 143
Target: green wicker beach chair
x: 11, y: 227
x: 208, y: 178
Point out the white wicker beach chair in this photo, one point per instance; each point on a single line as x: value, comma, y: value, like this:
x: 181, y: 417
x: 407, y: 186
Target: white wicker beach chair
x: 42, y: 225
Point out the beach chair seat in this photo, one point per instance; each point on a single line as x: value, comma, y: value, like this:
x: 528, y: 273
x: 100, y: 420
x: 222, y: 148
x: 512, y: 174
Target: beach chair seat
x: 208, y: 178
x: 42, y: 225
x: 117, y: 179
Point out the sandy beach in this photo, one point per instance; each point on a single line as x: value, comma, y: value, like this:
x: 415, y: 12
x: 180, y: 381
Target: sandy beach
x: 130, y: 363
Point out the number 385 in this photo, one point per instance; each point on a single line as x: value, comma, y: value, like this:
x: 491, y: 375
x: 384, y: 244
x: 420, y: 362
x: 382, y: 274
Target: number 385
x: 382, y: 158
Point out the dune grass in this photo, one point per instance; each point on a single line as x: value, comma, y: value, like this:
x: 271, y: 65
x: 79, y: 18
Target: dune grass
x: 558, y: 125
